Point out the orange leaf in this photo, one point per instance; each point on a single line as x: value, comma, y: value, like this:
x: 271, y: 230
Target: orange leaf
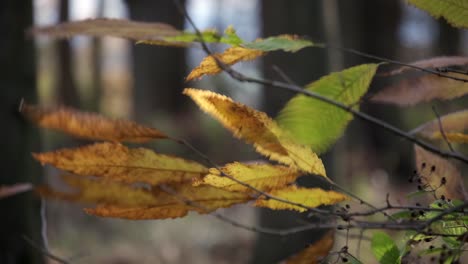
x: 310, y: 197
x: 117, y: 162
x: 264, y: 177
x: 230, y: 56
x: 435, y: 168
x: 10, y: 190
x: 89, y: 125
x: 257, y: 128
x: 422, y: 89
x: 152, y: 33
x: 316, y: 252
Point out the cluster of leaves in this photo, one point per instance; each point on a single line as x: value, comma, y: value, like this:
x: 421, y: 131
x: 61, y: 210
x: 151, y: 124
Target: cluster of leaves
x: 139, y: 183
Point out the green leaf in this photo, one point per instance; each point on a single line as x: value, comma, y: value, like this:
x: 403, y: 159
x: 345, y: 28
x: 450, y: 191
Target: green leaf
x: 454, y: 11
x: 319, y: 124
x: 384, y: 248
x: 288, y: 43
x: 230, y: 37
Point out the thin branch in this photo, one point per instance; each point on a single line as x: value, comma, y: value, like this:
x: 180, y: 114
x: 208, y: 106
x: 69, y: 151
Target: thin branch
x: 44, y: 251
x: 441, y: 128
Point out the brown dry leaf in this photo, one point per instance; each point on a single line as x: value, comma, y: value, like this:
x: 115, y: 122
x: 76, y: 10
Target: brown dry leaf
x: 434, y: 169
x: 422, y: 89
x: 257, y: 128
x: 203, y: 199
x: 89, y: 125
x: 10, y: 190
x: 310, y: 197
x: 316, y: 252
x: 151, y: 33
x: 453, y: 137
x: 229, y: 57
x: 453, y: 122
x: 117, y: 162
x: 436, y: 62
x: 264, y: 177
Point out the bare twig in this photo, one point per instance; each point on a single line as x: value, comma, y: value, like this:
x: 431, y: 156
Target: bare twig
x: 441, y: 128
x: 44, y: 251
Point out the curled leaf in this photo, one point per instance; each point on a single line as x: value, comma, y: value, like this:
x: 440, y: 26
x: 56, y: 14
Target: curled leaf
x: 453, y: 137
x: 89, y: 125
x: 451, y: 123
x: 264, y: 177
x: 117, y: 162
x: 230, y: 56
x: 436, y: 62
x: 440, y: 175
x: 152, y: 33
x: 257, y: 128
x: 422, y: 89
x: 314, y: 253
x: 310, y: 197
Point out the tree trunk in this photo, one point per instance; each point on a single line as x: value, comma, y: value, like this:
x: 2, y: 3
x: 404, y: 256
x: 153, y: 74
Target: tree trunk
x: 20, y: 213
x: 158, y: 71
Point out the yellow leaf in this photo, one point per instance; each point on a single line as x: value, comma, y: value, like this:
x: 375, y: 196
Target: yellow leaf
x: 117, y: 162
x: 451, y: 123
x: 230, y: 56
x: 203, y: 199
x: 89, y: 125
x: 316, y: 252
x: 453, y: 137
x: 265, y: 177
x: 310, y: 197
x: 434, y: 169
x: 87, y: 190
x: 257, y: 128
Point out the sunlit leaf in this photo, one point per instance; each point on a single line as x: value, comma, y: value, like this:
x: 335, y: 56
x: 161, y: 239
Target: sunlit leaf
x: 454, y: 11
x: 10, y: 190
x: 257, y: 128
x: 89, y: 125
x: 202, y: 199
x: 117, y: 162
x: 433, y: 63
x: 229, y: 57
x: 261, y: 176
x: 422, y: 89
x: 310, y: 197
x: 435, y: 169
x: 453, y: 137
x: 289, y: 43
x: 385, y: 249
x: 316, y: 252
x: 154, y: 33
x: 319, y: 124
x: 451, y: 123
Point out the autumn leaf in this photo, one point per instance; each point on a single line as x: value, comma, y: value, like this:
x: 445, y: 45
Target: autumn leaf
x: 151, y: 33
x: 451, y: 123
x: 436, y: 62
x: 264, y: 177
x: 422, y: 89
x: 89, y: 125
x: 202, y: 199
x: 435, y: 169
x: 310, y: 197
x: 454, y: 11
x: 257, y: 128
x: 314, y: 253
x: 318, y: 124
x: 289, y: 43
x: 10, y: 190
x: 117, y: 162
x: 453, y: 137
x: 229, y: 57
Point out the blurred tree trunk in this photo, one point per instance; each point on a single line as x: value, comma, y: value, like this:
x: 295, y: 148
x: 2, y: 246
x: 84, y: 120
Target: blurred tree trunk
x: 66, y: 86
x: 449, y: 39
x: 96, y: 56
x: 288, y: 17
x: 158, y: 71
x: 20, y: 214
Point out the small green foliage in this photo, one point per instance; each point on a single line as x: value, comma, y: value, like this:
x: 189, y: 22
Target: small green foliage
x: 385, y: 249
x: 287, y: 43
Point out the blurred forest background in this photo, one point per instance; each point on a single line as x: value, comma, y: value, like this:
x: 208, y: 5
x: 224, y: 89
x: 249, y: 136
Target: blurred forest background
x: 144, y: 83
